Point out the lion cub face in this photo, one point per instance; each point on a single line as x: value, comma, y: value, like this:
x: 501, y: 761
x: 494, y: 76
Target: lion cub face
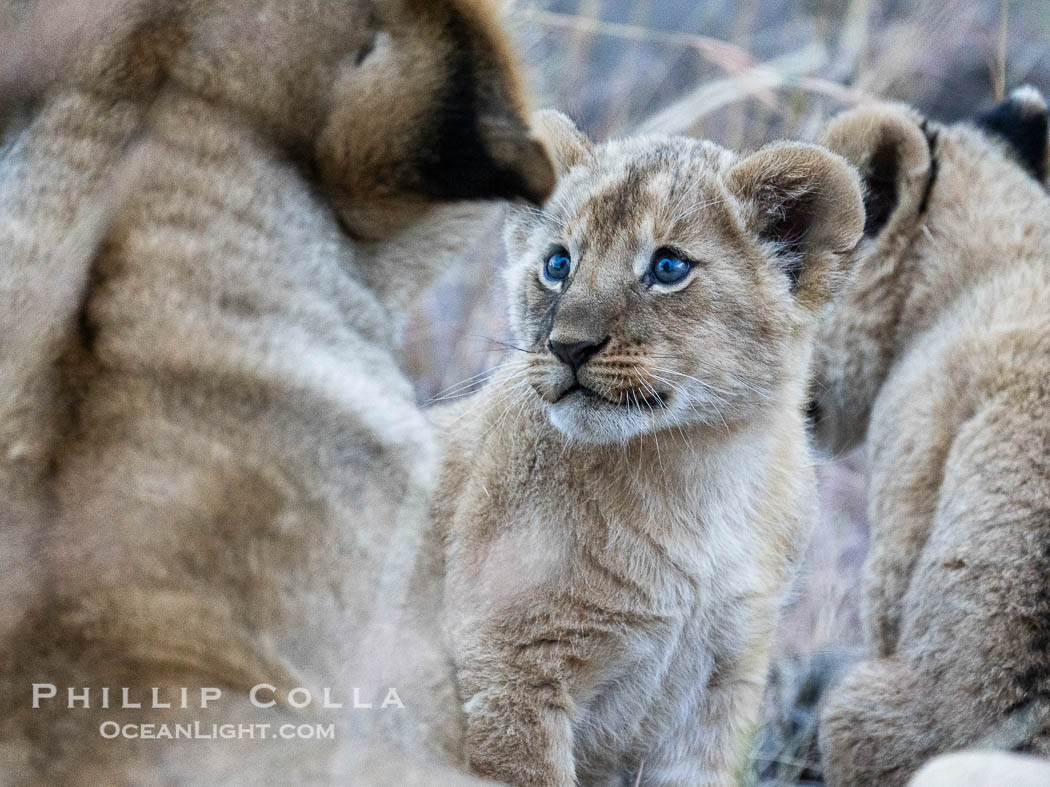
x: 669, y: 282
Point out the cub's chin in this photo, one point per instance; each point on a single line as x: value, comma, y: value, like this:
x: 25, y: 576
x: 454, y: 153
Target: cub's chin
x: 588, y: 418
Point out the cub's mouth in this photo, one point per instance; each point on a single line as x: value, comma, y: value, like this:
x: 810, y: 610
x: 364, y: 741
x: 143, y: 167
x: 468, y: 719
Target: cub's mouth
x: 651, y: 401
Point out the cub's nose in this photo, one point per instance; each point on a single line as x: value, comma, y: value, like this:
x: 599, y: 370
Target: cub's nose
x: 576, y: 354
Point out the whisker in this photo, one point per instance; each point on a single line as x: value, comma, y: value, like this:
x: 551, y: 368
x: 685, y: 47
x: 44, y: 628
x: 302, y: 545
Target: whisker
x: 456, y: 389
x: 693, y: 209
x: 732, y: 378
x: 708, y: 388
x: 500, y: 397
x: 711, y: 389
x: 501, y: 343
x: 502, y: 416
x: 713, y: 395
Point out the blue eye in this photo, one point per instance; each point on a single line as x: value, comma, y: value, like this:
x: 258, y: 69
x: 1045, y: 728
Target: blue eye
x: 556, y: 268
x: 669, y: 268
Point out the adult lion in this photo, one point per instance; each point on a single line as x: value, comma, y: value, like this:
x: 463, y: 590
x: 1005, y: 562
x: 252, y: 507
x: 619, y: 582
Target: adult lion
x: 213, y: 475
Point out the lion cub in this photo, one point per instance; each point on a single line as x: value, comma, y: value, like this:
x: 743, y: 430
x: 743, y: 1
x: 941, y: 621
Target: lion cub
x: 624, y: 505
x: 940, y: 352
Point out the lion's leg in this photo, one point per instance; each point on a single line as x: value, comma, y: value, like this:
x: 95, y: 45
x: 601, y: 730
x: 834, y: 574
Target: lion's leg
x: 519, y: 727
x: 875, y: 726
x: 975, y: 626
x: 711, y: 749
x: 909, y: 444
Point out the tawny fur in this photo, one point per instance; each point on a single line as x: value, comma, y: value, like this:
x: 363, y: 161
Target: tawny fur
x: 939, y: 352
x: 616, y: 559
x: 212, y: 472
x: 983, y: 769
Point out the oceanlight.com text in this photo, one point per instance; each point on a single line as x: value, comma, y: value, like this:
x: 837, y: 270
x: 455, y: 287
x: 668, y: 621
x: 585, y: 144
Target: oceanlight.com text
x: 197, y: 730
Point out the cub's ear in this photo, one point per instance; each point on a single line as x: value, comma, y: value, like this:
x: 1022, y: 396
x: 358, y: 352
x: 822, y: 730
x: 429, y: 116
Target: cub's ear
x: 805, y: 202
x: 566, y: 145
x: 1021, y: 122
x: 891, y: 146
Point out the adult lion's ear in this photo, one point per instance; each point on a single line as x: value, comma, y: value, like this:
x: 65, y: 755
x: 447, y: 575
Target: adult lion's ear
x: 805, y: 202
x: 566, y: 145
x: 891, y: 146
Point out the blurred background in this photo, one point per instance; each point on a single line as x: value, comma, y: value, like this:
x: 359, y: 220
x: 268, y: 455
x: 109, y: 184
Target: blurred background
x: 742, y: 73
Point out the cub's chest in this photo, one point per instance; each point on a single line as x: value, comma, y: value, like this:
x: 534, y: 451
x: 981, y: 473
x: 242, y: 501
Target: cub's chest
x: 630, y: 574
x: 668, y: 546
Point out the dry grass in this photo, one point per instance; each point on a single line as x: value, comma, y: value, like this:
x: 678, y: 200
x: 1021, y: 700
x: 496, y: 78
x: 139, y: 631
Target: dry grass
x: 742, y: 73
